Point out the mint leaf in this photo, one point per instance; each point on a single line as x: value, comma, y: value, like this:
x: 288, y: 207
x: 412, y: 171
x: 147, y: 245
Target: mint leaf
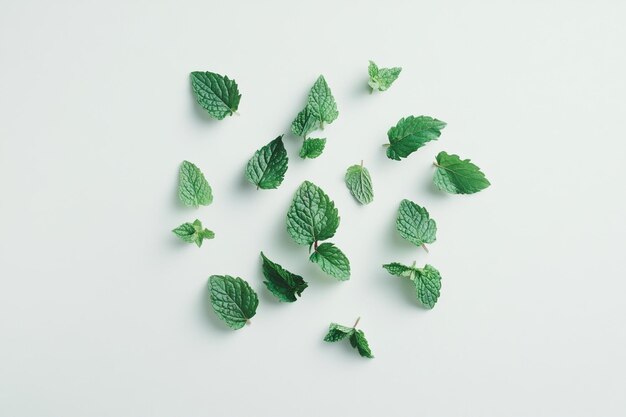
x: 282, y: 283
x: 193, y: 232
x: 427, y: 281
x: 382, y: 78
x: 359, y: 183
x: 410, y: 134
x: 304, y: 123
x: 332, y: 261
x: 337, y: 332
x: 193, y: 188
x: 358, y: 341
x: 312, y: 148
x: 216, y: 93
x: 414, y: 224
x: 233, y: 300
x: 312, y: 216
x: 458, y: 176
x: 266, y: 169
x: 321, y: 102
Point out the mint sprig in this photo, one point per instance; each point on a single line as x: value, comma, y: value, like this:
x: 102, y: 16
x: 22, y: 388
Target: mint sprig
x: 337, y: 332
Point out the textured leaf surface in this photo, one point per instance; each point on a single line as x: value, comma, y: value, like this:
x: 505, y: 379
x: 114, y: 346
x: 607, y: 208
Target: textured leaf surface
x: 337, y: 332
x: 193, y: 188
x: 233, y: 300
x: 359, y: 183
x: 399, y: 270
x: 358, y: 341
x: 458, y: 176
x: 321, y: 102
x: 266, y: 169
x: 312, y: 216
x: 382, y: 78
x: 332, y: 261
x: 305, y: 122
x: 427, y: 281
x: 216, y: 93
x: 414, y: 224
x: 193, y: 232
x: 410, y: 134
x: 312, y: 148
x: 282, y: 283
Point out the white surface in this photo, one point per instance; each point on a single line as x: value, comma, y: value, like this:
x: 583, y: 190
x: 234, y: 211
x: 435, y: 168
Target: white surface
x: 104, y: 313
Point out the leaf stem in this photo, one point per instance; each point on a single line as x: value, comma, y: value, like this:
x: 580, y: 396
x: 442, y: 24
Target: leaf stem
x: 361, y: 163
x: 436, y: 164
x: 386, y: 145
x: 356, y: 322
x: 315, y: 246
x: 425, y: 248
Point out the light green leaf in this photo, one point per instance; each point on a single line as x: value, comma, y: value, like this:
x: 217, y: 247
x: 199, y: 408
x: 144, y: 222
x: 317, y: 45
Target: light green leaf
x: 410, y: 134
x: 304, y: 123
x: 332, y: 261
x: 312, y: 216
x: 458, y: 176
x: 358, y: 341
x: 382, y: 78
x: 193, y: 188
x: 233, y: 300
x: 282, y: 283
x: 312, y: 148
x: 359, y: 183
x: 414, y: 224
x: 216, y: 93
x: 193, y: 232
x: 266, y: 169
x: 427, y: 281
x: 337, y: 332
x: 321, y: 102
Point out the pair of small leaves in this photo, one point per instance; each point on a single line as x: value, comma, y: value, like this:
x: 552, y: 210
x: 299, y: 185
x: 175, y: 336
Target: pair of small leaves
x: 312, y: 217
x: 232, y: 299
x: 266, y: 169
x: 193, y: 232
x: 193, y: 188
x: 359, y: 182
x: 458, y: 176
x: 410, y: 134
x: 414, y: 224
x: 282, y: 283
x: 216, y: 93
x: 427, y: 281
x: 382, y: 78
x: 337, y: 332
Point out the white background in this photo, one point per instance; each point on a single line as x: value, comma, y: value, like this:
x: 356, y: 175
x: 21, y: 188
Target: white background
x: 103, y: 312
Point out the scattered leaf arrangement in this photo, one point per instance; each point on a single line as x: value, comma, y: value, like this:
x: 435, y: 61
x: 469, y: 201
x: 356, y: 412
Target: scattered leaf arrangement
x: 312, y: 218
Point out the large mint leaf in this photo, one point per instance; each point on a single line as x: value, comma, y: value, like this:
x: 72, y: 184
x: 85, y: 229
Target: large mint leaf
x: 410, y: 134
x: 266, y: 169
x: 414, y: 224
x: 359, y: 182
x: 332, y: 261
x: 458, y: 176
x: 312, y: 216
x: 216, y: 93
x: 233, y: 300
x: 321, y: 102
x: 193, y: 188
x: 282, y: 283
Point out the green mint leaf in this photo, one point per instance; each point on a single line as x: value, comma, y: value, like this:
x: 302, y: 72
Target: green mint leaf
x: 193, y: 232
x: 427, y: 281
x: 193, y: 188
x: 312, y: 148
x: 282, y: 283
x: 458, y: 176
x: 359, y: 183
x: 337, y: 332
x: 312, y: 216
x: 216, y: 93
x: 266, y: 169
x: 358, y: 341
x: 414, y: 224
x: 410, y: 134
x: 332, y: 261
x: 321, y: 102
x: 304, y: 123
x: 382, y: 78
x: 233, y: 300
